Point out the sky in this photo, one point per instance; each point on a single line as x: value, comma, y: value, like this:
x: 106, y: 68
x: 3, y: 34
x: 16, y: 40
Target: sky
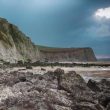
x: 62, y: 23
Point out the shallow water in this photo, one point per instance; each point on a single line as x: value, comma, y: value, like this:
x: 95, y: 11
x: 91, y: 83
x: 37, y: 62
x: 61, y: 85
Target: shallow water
x: 95, y: 75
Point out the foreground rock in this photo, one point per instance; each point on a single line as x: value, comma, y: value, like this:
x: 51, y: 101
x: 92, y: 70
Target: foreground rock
x: 102, y: 89
x: 51, y: 91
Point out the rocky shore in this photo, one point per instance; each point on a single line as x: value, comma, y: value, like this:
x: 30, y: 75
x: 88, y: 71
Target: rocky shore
x: 54, y: 90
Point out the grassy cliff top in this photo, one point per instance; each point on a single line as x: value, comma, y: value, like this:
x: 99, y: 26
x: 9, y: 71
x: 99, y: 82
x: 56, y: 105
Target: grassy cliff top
x: 46, y: 48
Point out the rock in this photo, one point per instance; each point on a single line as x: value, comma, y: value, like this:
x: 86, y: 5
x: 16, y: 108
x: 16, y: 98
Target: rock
x: 81, y: 95
x: 70, y: 80
x: 104, y: 99
x: 59, y: 71
x: 93, y: 85
x: 51, y: 91
x: 102, y: 90
x: 108, y: 106
x: 101, y: 86
x: 28, y: 67
x: 15, y: 77
x: 43, y: 69
x: 8, y: 79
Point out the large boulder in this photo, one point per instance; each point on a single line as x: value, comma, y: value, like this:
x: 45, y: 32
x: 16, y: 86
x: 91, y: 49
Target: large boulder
x: 82, y: 97
x: 102, y: 89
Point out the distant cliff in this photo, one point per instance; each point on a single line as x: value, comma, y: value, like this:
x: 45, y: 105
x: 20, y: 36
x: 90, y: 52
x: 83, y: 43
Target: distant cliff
x: 67, y: 54
x: 15, y: 45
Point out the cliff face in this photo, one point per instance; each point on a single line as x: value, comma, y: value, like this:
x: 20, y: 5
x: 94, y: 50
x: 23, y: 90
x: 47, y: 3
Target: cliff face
x: 14, y: 46
x: 67, y: 54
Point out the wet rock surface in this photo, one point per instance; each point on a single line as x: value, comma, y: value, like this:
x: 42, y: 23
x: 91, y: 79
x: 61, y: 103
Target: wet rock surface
x: 52, y: 91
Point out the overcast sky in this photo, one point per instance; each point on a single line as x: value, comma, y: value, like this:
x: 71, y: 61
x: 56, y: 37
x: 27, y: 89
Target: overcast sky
x: 62, y: 23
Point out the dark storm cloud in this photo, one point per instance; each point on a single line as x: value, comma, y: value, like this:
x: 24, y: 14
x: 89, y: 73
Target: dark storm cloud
x: 64, y: 23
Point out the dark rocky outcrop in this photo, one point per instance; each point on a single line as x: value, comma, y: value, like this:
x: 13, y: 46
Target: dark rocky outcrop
x: 51, y: 91
x: 102, y: 89
x: 16, y: 46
